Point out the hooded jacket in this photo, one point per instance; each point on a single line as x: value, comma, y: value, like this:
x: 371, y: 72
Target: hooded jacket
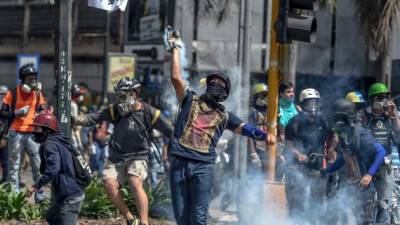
x: 57, y: 167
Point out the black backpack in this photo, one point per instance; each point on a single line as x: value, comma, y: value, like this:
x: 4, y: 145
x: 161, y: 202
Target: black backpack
x: 83, y: 173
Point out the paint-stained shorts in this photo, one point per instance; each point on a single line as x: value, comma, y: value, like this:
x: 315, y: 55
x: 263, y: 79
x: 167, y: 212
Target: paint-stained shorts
x: 121, y: 171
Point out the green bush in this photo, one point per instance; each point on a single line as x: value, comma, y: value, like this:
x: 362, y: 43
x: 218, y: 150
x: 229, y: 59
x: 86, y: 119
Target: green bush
x: 13, y: 205
x: 97, y: 204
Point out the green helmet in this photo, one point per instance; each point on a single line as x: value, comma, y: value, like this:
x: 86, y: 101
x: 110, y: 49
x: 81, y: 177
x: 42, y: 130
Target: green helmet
x: 377, y: 88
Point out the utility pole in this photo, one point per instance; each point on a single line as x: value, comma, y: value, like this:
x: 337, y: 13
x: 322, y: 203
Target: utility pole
x: 273, y: 83
x: 62, y: 65
x: 245, y: 87
x: 105, y: 60
x: 274, y: 192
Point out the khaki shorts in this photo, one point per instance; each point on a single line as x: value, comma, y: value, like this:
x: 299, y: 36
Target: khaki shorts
x: 121, y: 171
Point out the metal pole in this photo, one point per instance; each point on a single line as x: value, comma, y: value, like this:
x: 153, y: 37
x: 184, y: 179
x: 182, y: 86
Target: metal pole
x: 245, y: 92
x: 333, y: 42
x: 105, y: 60
x: 62, y: 65
x: 273, y: 83
x: 268, y: 30
x: 236, y: 141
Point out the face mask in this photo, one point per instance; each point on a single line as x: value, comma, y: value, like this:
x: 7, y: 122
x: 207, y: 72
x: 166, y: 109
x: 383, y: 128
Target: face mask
x: 216, y: 91
x: 261, y: 102
x: 80, y: 98
x: 39, y: 137
x: 286, y: 102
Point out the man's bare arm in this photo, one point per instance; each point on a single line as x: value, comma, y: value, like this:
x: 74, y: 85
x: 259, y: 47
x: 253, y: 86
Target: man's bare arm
x: 176, y: 76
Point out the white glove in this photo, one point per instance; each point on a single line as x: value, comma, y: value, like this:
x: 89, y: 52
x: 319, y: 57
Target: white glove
x: 22, y: 111
x: 172, y: 39
x: 255, y: 159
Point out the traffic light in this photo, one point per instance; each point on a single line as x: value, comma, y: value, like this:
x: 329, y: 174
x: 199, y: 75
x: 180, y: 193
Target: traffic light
x: 296, y: 21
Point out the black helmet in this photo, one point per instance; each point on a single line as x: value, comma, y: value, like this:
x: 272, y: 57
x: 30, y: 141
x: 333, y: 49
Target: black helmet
x: 344, y: 107
x: 222, y: 76
x: 27, y: 69
x: 76, y: 90
x: 127, y: 84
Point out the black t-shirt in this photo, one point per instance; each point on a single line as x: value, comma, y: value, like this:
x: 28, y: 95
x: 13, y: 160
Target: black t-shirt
x: 131, y: 134
x: 308, y: 136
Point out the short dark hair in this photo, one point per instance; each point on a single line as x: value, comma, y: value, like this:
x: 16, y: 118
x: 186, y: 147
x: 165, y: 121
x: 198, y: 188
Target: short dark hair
x: 283, y: 86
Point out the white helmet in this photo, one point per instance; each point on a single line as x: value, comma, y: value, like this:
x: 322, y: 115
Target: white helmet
x: 308, y: 93
x: 3, y: 89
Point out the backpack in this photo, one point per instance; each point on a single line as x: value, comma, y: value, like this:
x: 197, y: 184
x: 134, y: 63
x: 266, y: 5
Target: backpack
x: 83, y: 173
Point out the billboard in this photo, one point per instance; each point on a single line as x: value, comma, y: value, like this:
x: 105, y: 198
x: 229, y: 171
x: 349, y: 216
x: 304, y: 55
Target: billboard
x: 120, y: 66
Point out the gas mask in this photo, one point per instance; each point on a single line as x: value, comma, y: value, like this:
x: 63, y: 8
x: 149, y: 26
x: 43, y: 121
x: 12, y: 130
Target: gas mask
x: 261, y: 102
x: 125, y: 103
x: 216, y: 91
x: 33, y: 86
x: 379, y: 105
x: 342, y: 127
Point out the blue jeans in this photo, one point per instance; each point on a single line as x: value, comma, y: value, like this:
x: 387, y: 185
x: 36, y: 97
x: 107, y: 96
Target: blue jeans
x: 65, y: 213
x: 383, y: 180
x: 18, y: 143
x: 97, y: 160
x: 191, y: 183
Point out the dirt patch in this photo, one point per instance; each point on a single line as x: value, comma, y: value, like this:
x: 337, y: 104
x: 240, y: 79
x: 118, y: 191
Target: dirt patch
x: 113, y: 221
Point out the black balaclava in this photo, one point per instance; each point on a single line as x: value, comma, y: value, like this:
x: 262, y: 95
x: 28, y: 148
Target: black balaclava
x: 42, y: 136
x: 215, y: 93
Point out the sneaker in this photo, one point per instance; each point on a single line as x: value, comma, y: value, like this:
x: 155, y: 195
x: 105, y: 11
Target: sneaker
x: 132, y: 222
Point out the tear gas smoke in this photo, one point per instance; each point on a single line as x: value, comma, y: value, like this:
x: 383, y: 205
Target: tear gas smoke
x: 249, y: 197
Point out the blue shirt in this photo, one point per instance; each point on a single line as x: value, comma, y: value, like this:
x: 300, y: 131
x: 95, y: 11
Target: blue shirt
x: 395, y: 159
x: 198, y: 128
x: 370, y: 154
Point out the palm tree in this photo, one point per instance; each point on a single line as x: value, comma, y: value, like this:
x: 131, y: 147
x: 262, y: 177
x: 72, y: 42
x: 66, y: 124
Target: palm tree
x: 215, y: 8
x: 377, y: 18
